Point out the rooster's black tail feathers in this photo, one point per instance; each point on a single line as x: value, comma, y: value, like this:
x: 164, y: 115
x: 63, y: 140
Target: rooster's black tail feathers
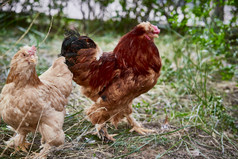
x: 72, y: 32
x: 73, y: 42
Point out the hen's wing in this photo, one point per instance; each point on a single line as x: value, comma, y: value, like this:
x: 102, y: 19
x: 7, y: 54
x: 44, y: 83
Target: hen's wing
x: 58, y: 79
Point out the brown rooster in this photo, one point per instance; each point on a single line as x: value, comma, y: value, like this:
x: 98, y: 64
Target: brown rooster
x: 29, y: 103
x: 112, y: 80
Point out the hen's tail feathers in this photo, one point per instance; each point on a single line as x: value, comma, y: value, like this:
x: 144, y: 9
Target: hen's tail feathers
x: 73, y: 42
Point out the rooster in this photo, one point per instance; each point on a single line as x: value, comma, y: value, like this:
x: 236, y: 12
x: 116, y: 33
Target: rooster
x: 30, y: 103
x: 113, y: 79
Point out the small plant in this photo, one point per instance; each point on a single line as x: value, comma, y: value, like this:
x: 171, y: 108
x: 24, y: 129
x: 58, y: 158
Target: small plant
x: 220, y: 115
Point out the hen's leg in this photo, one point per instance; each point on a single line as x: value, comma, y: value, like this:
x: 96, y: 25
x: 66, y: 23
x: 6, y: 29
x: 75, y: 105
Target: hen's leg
x: 103, y: 134
x: 136, y: 126
x: 19, y: 142
x: 43, y: 153
x: 52, y: 133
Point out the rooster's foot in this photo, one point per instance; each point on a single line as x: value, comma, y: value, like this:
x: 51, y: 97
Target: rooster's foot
x: 141, y: 130
x: 137, y: 126
x: 105, y: 137
x: 103, y: 134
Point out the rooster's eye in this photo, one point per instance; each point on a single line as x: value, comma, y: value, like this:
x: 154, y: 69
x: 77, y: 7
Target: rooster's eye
x: 23, y: 54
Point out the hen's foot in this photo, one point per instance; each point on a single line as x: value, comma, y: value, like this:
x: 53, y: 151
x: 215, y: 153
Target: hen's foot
x: 38, y: 156
x: 43, y: 153
x: 23, y: 147
x: 141, y: 130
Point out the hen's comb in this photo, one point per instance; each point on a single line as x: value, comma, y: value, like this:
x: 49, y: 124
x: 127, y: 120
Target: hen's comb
x: 156, y: 30
x: 33, y: 48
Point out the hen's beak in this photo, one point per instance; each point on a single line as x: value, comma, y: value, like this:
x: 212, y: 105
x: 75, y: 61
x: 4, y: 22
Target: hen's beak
x: 33, y: 60
x: 32, y: 53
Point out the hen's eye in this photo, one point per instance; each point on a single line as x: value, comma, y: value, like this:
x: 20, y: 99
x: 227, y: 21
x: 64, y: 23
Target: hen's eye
x: 23, y: 54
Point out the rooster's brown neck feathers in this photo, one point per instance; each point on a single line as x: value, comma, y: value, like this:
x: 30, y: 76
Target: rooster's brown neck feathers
x: 143, y: 53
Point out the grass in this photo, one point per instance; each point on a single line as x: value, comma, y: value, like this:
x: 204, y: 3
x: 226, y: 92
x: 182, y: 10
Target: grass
x: 201, y: 111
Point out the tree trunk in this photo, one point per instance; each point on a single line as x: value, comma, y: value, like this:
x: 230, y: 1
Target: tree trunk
x: 219, y: 10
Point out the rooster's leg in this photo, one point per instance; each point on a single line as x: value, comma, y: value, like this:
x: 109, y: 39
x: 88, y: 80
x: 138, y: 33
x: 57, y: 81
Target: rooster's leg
x: 136, y: 126
x: 103, y: 134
